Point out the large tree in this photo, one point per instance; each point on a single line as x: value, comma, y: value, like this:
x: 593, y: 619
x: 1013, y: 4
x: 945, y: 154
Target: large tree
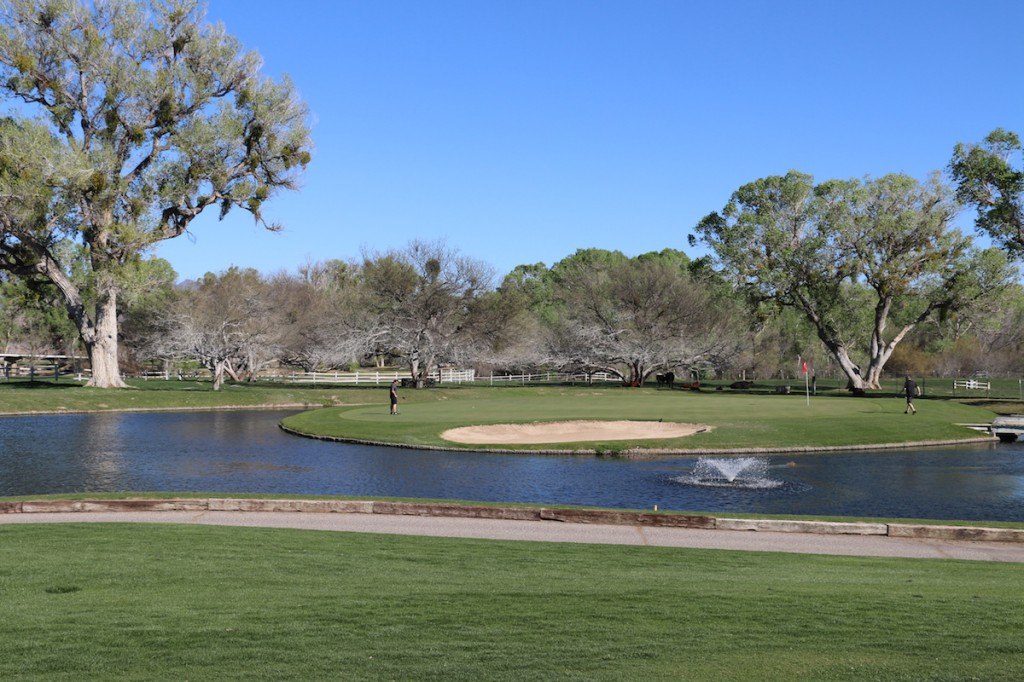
x: 152, y: 116
x: 633, y: 317
x: 226, y: 322
x: 987, y: 179
x: 326, y: 318
x: 864, y: 261
x: 425, y: 299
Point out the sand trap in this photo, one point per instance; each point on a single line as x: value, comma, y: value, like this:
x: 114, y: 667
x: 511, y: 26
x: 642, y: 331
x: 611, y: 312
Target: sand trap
x: 568, y: 432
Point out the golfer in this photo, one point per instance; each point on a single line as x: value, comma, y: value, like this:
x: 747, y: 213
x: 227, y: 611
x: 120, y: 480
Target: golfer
x: 910, y: 388
x: 394, y: 396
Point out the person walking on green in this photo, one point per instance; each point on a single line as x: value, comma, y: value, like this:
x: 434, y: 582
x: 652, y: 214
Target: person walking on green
x: 393, y: 394
x: 910, y: 388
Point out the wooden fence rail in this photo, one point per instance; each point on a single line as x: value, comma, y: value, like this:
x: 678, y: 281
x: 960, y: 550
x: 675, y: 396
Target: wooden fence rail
x: 362, y: 377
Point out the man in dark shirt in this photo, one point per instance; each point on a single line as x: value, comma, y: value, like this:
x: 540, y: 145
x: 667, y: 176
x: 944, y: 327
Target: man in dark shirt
x: 910, y: 388
x: 394, y: 396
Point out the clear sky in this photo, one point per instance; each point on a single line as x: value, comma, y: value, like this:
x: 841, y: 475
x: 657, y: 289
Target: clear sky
x: 521, y: 130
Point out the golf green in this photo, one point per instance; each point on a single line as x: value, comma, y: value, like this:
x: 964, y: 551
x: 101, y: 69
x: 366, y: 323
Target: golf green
x: 736, y: 421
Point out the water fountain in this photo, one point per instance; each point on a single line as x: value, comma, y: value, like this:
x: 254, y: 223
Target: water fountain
x: 730, y: 472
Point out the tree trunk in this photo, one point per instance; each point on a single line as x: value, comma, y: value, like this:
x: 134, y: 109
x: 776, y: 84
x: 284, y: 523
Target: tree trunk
x: 100, y: 336
x: 414, y: 365
x: 636, y: 374
x: 218, y: 374
x: 874, y: 377
x: 102, y: 348
x: 842, y: 357
x: 422, y: 371
x: 879, y: 351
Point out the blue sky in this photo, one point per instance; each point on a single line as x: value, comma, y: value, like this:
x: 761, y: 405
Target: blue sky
x: 520, y: 130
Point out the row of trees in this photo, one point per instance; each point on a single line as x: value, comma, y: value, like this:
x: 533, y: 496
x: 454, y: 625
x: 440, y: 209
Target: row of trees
x: 426, y: 306
x: 140, y: 116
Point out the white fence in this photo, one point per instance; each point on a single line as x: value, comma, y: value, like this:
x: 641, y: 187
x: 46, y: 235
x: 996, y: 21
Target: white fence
x: 548, y: 377
x: 362, y: 377
x: 446, y: 376
x: 32, y: 371
x: 972, y: 384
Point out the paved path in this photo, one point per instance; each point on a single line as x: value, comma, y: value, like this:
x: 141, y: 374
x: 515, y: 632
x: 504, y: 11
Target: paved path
x: 549, y: 531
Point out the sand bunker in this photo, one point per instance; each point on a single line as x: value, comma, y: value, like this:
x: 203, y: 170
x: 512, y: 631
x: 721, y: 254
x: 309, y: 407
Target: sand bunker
x: 568, y: 432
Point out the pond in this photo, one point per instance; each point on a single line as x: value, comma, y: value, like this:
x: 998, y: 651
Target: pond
x: 245, y: 452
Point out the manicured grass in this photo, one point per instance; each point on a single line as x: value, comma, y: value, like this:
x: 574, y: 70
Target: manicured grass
x: 47, y: 396
x: 1000, y: 388
x: 181, y: 602
x: 739, y: 420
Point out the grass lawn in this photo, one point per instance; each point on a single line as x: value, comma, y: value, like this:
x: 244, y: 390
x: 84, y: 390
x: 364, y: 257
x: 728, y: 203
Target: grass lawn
x: 181, y: 602
x: 47, y: 396
x: 739, y: 420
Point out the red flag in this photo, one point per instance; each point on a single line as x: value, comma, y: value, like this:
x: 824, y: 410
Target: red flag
x: 803, y: 367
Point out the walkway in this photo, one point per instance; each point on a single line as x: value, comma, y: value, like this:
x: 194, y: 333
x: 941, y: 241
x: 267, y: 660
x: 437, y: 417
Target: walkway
x: 553, y: 531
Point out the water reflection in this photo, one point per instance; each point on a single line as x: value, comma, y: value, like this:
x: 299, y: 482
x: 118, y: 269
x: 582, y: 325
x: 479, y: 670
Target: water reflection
x: 228, y: 452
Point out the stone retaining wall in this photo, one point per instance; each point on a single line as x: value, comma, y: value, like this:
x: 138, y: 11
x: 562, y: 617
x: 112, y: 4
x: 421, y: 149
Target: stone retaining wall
x: 601, y: 516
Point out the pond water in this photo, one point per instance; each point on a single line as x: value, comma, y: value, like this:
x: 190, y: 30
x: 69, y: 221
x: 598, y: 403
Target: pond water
x: 236, y: 452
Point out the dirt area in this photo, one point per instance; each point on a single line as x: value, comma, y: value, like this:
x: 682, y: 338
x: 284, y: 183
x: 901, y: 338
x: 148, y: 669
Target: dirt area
x: 569, y: 432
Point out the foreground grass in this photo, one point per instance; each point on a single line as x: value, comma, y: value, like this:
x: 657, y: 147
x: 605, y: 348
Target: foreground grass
x: 182, y: 602
x: 739, y: 420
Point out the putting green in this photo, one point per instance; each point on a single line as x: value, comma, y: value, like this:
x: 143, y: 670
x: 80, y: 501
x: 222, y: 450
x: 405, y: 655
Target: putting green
x: 738, y: 421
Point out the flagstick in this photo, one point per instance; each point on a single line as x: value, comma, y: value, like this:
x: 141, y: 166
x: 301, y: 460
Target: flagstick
x: 802, y: 364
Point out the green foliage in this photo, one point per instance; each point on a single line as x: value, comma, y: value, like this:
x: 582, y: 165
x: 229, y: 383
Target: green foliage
x: 391, y: 278
x: 153, y: 116
x: 987, y: 180
x: 852, y: 256
x: 671, y: 257
x: 425, y: 298
x: 532, y: 288
x: 585, y: 259
x: 32, y: 317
